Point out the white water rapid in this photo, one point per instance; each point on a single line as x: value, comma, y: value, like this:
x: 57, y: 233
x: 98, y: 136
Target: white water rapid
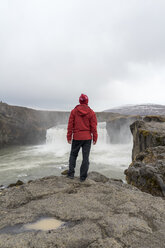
x: 111, y: 160
x: 30, y: 162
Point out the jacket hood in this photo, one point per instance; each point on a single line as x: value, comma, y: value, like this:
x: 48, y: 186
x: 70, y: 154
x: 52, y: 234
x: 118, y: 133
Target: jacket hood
x: 82, y: 109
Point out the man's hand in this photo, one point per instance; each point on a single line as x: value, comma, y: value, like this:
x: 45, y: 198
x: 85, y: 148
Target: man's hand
x: 69, y: 141
x: 94, y: 142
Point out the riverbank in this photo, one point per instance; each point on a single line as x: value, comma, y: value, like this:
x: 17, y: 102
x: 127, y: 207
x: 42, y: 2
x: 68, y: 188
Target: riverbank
x: 99, y: 212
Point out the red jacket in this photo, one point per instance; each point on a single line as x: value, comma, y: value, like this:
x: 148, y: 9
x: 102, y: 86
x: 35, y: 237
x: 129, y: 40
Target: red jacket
x: 82, y: 124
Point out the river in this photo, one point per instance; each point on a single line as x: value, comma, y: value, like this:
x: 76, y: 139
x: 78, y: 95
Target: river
x: 30, y: 162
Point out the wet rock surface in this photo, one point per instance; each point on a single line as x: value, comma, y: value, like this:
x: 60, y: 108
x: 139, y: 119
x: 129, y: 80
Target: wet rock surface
x: 100, y: 212
x: 147, y: 171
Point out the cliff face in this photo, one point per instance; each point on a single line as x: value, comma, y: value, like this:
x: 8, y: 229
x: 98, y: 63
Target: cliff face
x: 19, y: 126
x: 24, y: 126
x: 118, y: 129
x: 147, y: 171
x: 147, y: 133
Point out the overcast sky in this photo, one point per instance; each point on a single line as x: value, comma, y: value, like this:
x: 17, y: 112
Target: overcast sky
x: 51, y: 51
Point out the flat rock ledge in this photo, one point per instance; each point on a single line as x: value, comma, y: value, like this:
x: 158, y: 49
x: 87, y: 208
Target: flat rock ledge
x: 99, y: 212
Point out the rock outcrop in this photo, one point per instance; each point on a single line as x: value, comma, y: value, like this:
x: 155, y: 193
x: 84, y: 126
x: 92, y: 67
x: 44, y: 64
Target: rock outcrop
x: 147, y: 171
x: 25, y: 126
x: 118, y: 129
x: 147, y: 133
x: 19, y: 126
x: 99, y: 212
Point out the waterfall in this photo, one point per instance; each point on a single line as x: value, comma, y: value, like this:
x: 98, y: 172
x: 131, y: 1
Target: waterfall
x: 56, y: 140
x: 109, y: 159
x: 103, y: 137
x: 30, y: 162
x: 56, y: 136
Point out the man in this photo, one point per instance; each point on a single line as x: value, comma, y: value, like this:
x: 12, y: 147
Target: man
x: 82, y: 129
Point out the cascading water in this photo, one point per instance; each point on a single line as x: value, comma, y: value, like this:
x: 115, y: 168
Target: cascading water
x: 56, y: 137
x: 56, y: 140
x: 111, y: 160
x: 30, y: 162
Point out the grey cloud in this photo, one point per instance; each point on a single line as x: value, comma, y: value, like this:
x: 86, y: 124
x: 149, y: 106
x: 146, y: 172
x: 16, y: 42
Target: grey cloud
x: 52, y: 51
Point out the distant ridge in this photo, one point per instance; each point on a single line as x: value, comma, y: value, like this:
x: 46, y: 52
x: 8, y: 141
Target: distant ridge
x: 141, y: 109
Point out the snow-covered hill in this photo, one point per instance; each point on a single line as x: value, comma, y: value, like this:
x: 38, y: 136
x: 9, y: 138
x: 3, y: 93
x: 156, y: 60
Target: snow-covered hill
x: 142, y: 109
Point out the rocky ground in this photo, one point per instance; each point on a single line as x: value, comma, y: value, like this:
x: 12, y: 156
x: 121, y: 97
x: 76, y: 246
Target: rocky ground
x: 99, y: 212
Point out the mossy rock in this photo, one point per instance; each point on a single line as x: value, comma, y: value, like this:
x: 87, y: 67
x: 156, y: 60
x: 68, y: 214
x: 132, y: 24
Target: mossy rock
x: 160, y: 140
x: 65, y: 172
x: 18, y: 183
x: 145, y: 132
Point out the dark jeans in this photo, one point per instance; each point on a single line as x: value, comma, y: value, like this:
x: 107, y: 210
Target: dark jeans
x: 76, y: 145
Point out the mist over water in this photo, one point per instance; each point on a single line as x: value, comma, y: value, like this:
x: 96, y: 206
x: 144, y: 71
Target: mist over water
x: 31, y: 162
